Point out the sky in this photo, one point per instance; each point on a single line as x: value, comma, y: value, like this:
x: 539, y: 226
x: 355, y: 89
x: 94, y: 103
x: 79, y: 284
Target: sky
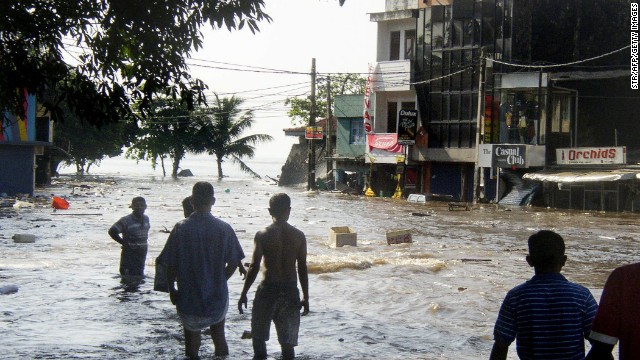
x: 342, y: 39
x: 240, y: 63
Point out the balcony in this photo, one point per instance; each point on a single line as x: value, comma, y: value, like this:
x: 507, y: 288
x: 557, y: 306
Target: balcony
x: 392, y: 76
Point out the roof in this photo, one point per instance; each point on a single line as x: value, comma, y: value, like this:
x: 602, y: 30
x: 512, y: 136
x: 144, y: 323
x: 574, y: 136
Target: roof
x: 581, y: 176
x: 300, y: 130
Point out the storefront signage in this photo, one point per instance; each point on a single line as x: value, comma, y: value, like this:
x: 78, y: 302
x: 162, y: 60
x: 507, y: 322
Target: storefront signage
x: 313, y: 132
x: 509, y: 156
x: 591, y: 156
x: 386, y: 141
x: 407, y: 127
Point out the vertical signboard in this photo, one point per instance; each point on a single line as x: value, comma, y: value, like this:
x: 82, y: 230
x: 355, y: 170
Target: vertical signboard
x: 407, y: 127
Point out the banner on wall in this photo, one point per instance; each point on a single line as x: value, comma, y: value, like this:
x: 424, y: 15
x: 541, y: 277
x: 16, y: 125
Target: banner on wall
x: 385, y: 141
x: 592, y: 156
x: 367, y: 102
x: 407, y: 127
x: 20, y: 127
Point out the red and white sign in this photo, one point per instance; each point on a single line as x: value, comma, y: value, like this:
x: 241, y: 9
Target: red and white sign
x: 367, y: 102
x: 388, y: 142
x: 591, y: 155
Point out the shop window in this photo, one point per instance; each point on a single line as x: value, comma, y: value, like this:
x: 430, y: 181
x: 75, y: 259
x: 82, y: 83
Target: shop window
x: 436, y: 107
x: 457, y: 33
x: 409, y: 44
x: 394, y: 47
x: 560, y: 121
x: 455, y: 107
x: 357, y: 134
x: 438, y: 35
x: 465, y: 135
x: 392, y: 117
x: 465, y: 107
x: 518, y: 118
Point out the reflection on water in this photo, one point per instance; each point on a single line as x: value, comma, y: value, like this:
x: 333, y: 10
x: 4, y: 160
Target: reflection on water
x: 436, y: 297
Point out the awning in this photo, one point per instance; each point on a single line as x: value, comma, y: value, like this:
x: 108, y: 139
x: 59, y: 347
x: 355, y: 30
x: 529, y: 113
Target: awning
x: 581, y: 176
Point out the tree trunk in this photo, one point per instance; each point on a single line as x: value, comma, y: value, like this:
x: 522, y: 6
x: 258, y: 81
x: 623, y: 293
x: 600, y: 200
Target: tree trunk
x: 219, y: 161
x: 164, y: 172
x: 176, y: 158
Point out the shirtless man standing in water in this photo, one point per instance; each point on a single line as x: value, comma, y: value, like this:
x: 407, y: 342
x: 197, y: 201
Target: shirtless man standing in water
x: 277, y: 298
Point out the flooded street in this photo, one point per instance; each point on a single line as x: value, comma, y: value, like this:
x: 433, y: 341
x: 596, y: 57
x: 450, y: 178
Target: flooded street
x: 435, y: 298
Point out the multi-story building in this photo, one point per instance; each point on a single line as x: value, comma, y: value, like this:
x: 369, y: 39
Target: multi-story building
x: 501, y: 87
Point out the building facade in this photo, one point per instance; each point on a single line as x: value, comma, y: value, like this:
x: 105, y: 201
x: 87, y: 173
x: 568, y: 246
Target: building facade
x: 496, y: 77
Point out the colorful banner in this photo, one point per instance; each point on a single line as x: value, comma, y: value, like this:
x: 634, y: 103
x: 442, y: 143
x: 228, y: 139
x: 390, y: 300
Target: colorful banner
x: 367, y: 102
x: 387, y: 142
x: 20, y: 127
x: 313, y: 132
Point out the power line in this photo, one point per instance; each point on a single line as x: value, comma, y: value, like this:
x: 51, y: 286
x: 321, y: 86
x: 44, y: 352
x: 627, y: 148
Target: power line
x: 556, y: 65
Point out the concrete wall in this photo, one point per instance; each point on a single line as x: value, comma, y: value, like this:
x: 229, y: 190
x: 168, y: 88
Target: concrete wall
x: 17, y: 173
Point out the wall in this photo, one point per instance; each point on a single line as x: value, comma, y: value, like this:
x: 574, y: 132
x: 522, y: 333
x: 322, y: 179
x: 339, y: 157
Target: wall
x: 17, y: 164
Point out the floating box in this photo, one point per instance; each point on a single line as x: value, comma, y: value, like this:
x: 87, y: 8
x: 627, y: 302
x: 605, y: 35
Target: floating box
x: 417, y: 198
x: 24, y: 238
x: 342, y: 235
x: 398, y: 236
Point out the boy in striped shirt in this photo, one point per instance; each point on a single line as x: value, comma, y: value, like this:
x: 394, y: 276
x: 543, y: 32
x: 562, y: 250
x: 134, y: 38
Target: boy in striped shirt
x: 548, y: 316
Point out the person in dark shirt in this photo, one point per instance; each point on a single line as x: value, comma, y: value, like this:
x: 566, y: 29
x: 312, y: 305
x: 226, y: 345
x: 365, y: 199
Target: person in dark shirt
x: 201, y: 254
x: 135, y: 233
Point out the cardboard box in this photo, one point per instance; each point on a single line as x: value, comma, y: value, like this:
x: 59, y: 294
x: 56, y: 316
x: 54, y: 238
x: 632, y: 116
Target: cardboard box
x: 342, y: 235
x: 398, y: 236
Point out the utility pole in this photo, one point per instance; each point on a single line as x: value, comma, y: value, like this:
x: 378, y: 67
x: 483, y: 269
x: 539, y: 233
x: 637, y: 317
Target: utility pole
x: 329, y: 127
x: 311, y: 179
x: 479, y: 124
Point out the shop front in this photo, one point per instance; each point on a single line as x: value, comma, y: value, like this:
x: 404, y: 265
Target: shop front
x: 591, y: 179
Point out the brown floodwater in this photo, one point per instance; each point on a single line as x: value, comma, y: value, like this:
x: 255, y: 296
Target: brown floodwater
x: 434, y: 298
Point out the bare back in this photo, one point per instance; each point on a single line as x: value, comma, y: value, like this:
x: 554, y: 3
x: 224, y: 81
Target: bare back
x: 282, y: 246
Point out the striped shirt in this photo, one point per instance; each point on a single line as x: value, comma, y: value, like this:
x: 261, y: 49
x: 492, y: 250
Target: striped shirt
x: 134, y: 231
x: 548, y: 316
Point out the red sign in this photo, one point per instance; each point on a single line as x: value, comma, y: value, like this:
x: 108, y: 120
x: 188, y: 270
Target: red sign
x: 313, y: 132
x: 388, y: 142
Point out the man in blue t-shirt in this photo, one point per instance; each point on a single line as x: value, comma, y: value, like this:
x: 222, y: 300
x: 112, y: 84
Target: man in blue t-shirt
x: 201, y: 254
x: 548, y: 316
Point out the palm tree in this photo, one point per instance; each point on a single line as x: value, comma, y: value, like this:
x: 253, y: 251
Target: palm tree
x: 221, y: 134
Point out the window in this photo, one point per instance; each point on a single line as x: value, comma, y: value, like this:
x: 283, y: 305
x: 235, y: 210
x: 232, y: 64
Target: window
x: 409, y: 44
x: 392, y: 117
x: 561, y: 113
x: 394, y: 49
x: 357, y: 135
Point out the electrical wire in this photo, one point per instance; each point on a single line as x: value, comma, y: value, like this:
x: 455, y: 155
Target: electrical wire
x: 556, y: 65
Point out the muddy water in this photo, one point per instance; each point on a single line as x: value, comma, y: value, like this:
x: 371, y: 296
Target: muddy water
x: 436, y: 298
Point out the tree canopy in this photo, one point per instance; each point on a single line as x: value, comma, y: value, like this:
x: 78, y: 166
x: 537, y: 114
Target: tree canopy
x: 341, y: 84
x: 222, y: 134
x: 130, y: 50
x: 168, y: 132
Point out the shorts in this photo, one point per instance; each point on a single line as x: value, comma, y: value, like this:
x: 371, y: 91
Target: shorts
x: 132, y: 259
x: 281, y: 304
x: 199, y: 323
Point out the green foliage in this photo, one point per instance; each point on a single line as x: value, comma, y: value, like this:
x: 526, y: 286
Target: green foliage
x: 86, y: 143
x: 222, y: 132
x: 168, y: 132
x: 132, y: 50
x: 300, y: 108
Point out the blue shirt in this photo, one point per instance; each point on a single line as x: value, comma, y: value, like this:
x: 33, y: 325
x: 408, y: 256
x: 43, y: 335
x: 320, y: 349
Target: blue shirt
x: 548, y: 316
x: 199, y: 248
